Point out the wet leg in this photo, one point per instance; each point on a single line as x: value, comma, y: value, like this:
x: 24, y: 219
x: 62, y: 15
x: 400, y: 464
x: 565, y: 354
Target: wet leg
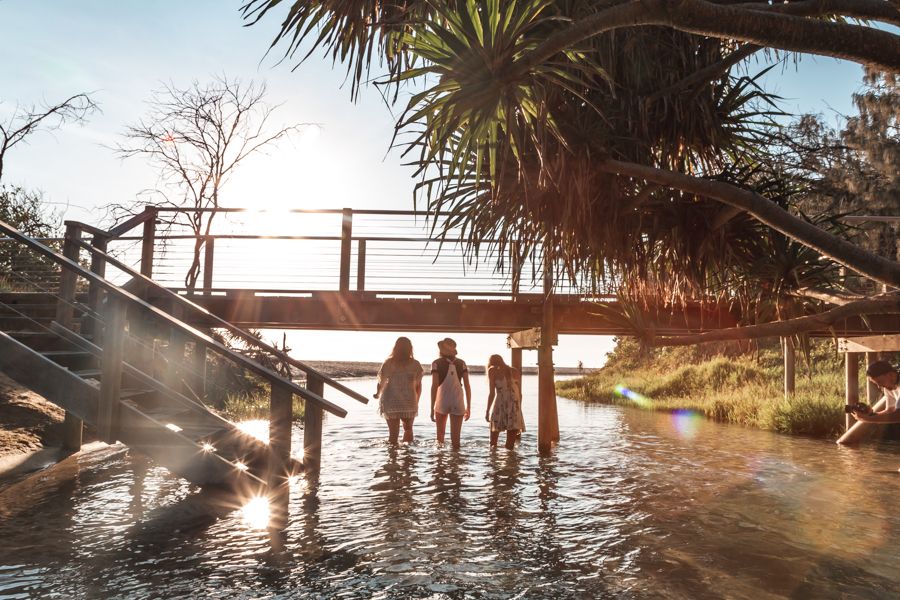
x: 494, y: 436
x: 393, y: 430
x: 441, y: 421
x: 407, y: 430
x: 456, y: 422
x: 511, y: 436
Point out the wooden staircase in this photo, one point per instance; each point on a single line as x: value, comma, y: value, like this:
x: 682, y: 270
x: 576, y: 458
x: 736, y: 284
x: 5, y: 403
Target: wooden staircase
x: 94, y: 353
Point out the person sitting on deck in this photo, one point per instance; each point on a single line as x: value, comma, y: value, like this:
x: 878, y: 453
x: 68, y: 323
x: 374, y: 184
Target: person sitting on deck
x: 449, y: 375
x: 884, y: 375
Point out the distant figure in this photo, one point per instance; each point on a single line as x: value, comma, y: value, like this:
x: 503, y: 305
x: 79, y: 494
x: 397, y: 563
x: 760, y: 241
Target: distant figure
x: 399, y: 390
x: 884, y: 375
x: 507, y: 414
x: 449, y: 377
x: 580, y: 368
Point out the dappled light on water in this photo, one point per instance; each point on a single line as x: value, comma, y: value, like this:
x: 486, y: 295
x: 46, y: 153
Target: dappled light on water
x: 631, y: 504
x: 256, y: 513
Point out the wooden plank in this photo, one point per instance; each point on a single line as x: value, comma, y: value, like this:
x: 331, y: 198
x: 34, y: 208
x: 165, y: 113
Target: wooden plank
x: 148, y: 244
x: 208, y: 258
x: 55, y: 383
x: 361, y: 266
x: 346, y: 243
x: 111, y: 369
x: 312, y: 432
x: 871, y: 343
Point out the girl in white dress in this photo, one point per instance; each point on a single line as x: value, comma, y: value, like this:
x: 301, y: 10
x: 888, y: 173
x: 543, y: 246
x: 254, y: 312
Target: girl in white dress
x: 399, y: 390
x: 449, y: 379
x: 507, y: 414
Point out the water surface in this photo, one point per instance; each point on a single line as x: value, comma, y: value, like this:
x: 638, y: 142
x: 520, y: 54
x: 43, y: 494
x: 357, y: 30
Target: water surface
x: 631, y: 505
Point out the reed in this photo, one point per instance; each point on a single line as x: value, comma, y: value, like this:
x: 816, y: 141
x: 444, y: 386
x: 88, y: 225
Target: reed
x: 744, y: 390
x: 251, y: 406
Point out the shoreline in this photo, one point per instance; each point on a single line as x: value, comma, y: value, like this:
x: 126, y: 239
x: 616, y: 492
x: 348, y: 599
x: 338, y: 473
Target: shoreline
x: 355, y: 369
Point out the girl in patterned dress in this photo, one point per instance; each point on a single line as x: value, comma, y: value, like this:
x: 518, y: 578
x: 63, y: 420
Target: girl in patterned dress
x: 399, y: 389
x: 507, y: 414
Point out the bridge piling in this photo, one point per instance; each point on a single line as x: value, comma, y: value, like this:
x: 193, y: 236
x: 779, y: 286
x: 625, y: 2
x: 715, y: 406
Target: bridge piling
x: 73, y: 427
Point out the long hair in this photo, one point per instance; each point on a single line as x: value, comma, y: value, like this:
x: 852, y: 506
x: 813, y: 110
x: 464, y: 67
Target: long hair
x: 496, y: 362
x: 402, y: 352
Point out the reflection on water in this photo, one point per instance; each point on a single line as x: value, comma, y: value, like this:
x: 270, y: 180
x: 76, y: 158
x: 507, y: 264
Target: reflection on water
x: 631, y: 505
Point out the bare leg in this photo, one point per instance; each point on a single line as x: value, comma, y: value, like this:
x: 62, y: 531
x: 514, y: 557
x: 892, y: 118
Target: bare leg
x: 407, y: 430
x: 393, y: 429
x: 494, y: 436
x: 511, y: 436
x: 456, y: 422
x: 441, y: 421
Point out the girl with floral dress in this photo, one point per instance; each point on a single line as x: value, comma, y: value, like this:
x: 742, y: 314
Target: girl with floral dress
x: 507, y: 402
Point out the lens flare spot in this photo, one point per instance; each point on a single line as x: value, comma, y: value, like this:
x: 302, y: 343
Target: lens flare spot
x: 258, y: 428
x: 207, y: 447
x: 173, y: 427
x: 256, y: 513
x: 635, y: 397
x: 686, y: 423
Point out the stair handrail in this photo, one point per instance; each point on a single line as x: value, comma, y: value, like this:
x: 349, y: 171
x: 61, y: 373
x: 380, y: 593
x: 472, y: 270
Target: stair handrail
x: 193, y: 333
x: 220, y: 322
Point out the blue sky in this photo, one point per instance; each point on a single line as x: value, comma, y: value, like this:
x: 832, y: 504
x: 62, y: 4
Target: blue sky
x: 121, y: 50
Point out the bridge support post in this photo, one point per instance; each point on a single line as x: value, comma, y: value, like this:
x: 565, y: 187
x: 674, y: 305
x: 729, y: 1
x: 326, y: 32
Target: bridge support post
x: 280, y: 419
x: 548, y: 420
x: 148, y: 242
x: 312, y: 431
x: 790, y: 357
x: 90, y: 324
x: 111, y: 370
x: 73, y: 427
x: 209, y: 250
x: 873, y: 393
x: 175, y: 354
x: 851, y: 381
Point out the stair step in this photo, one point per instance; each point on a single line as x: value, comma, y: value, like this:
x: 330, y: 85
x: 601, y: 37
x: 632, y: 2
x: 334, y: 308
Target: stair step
x: 78, y: 359
x: 89, y: 373
x: 131, y: 394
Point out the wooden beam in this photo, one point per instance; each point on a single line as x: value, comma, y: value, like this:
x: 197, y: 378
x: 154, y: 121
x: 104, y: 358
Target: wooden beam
x: 312, y: 431
x: 346, y: 243
x: 871, y: 343
x: 111, y: 371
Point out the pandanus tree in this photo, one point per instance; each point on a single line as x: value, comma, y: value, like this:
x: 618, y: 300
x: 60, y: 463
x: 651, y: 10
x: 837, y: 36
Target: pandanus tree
x: 615, y: 134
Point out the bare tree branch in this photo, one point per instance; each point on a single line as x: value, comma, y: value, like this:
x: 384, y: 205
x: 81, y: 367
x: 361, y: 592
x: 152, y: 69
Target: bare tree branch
x: 24, y: 122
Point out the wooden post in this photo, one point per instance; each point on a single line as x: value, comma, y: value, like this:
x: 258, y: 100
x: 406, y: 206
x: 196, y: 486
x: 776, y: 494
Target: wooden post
x: 198, y: 370
x: 516, y: 363
x: 89, y: 323
x: 361, y: 266
x: 111, y: 370
x: 208, y: 252
x: 873, y: 392
x: 312, y: 430
x: 175, y: 353
x: 787, y: 349
x: 346, y: 241
x: 851, y: 381
x: 73, y: 427
x: 548, y: 424
x: 280, y: 420
x: 148, y: 242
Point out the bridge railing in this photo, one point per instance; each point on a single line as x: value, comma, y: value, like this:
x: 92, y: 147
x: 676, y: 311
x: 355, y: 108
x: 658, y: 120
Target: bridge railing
x: 402, y: 253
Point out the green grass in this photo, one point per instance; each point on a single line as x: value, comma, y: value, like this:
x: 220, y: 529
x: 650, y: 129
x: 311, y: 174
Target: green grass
x: 745, y: 390
x: 247, y: 407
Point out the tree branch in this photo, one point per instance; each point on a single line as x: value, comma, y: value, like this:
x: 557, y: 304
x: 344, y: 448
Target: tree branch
x: 881, y: 305
x: 841, y: 251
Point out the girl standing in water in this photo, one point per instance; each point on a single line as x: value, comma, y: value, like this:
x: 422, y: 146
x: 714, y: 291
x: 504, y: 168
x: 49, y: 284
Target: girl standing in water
x: 399, y: 389
x: 449, y: 377
x: 507, y: 413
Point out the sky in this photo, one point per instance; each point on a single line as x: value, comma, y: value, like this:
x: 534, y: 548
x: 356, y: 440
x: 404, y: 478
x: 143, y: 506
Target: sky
x: 120, y: 51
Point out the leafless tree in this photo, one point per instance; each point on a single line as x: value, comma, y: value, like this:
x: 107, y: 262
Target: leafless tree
x: 196, y: 137
x: 26, y: 120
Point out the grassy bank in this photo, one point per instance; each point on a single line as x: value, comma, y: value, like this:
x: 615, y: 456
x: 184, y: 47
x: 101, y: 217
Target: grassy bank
x: 739, y: 388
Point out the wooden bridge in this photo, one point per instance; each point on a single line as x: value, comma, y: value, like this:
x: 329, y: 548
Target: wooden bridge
x: 125, y: 344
